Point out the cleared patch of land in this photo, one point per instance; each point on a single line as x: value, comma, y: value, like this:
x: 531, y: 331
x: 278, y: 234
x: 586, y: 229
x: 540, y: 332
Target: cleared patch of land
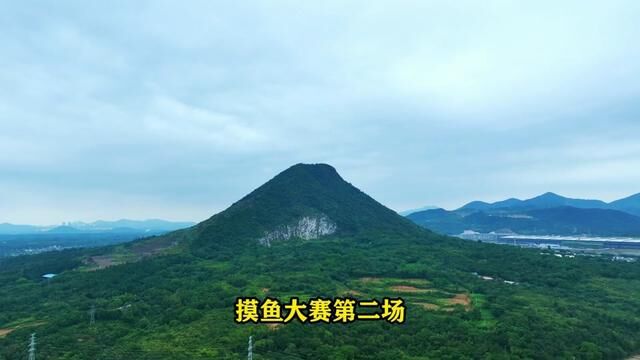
x: 101, y: 262
x: 461, y: 299
x: 17, y: 325
x: 414, y: 291
x: 153, y: 246
x: 128, y: 253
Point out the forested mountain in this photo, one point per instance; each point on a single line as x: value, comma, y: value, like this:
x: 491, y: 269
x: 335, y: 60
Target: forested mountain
x: 302, y: 198
x: 307, y: 233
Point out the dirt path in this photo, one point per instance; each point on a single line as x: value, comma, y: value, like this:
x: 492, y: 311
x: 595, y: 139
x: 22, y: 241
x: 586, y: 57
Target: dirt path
x: 409, y: 289
x: 6, y: 331
x: 428, y: 306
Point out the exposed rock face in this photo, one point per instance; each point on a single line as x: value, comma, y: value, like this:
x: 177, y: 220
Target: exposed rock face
x: 306, y: 228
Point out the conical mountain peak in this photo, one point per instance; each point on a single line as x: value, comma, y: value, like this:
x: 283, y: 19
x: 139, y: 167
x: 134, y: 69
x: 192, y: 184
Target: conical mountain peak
x: 304, y: 201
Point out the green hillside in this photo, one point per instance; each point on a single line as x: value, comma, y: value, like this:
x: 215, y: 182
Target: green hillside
x: 308, y: 233
x: 312, y: 191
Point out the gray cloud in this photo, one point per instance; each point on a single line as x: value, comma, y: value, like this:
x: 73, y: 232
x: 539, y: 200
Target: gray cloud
x: 158, y: 109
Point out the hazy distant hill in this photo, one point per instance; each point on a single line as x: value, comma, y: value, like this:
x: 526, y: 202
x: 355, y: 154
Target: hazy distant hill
x: 64, y: 229
x: 548, y: 213
x: 630, y: 204
x: 411, y: 211
x: 118, y: 226
x: 13, y: 229
x: 544, y: 201
x: 564, y: 220
x: 140, y: 225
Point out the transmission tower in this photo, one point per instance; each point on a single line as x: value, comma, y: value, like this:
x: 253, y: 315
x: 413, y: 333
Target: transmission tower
x: 92, y: 315
x: 32, y: 347
x: 250, y: 353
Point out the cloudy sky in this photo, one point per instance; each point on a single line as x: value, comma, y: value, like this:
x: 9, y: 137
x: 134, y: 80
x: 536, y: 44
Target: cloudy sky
x: 176, y: 109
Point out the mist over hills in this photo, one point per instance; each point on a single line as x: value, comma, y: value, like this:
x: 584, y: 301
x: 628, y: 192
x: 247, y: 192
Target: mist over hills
x: 546, y: 214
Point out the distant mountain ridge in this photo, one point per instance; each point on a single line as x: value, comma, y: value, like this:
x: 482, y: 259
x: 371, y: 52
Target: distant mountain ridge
x: 549, y: 200
x: 99, y: 226
x: 13, y: 229
x: 149, y: 224
x: 564, y: 220
x: 546, y: 214
x: 546, y: 200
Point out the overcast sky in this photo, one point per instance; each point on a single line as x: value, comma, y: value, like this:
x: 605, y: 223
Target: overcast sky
x: 176, y: 109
